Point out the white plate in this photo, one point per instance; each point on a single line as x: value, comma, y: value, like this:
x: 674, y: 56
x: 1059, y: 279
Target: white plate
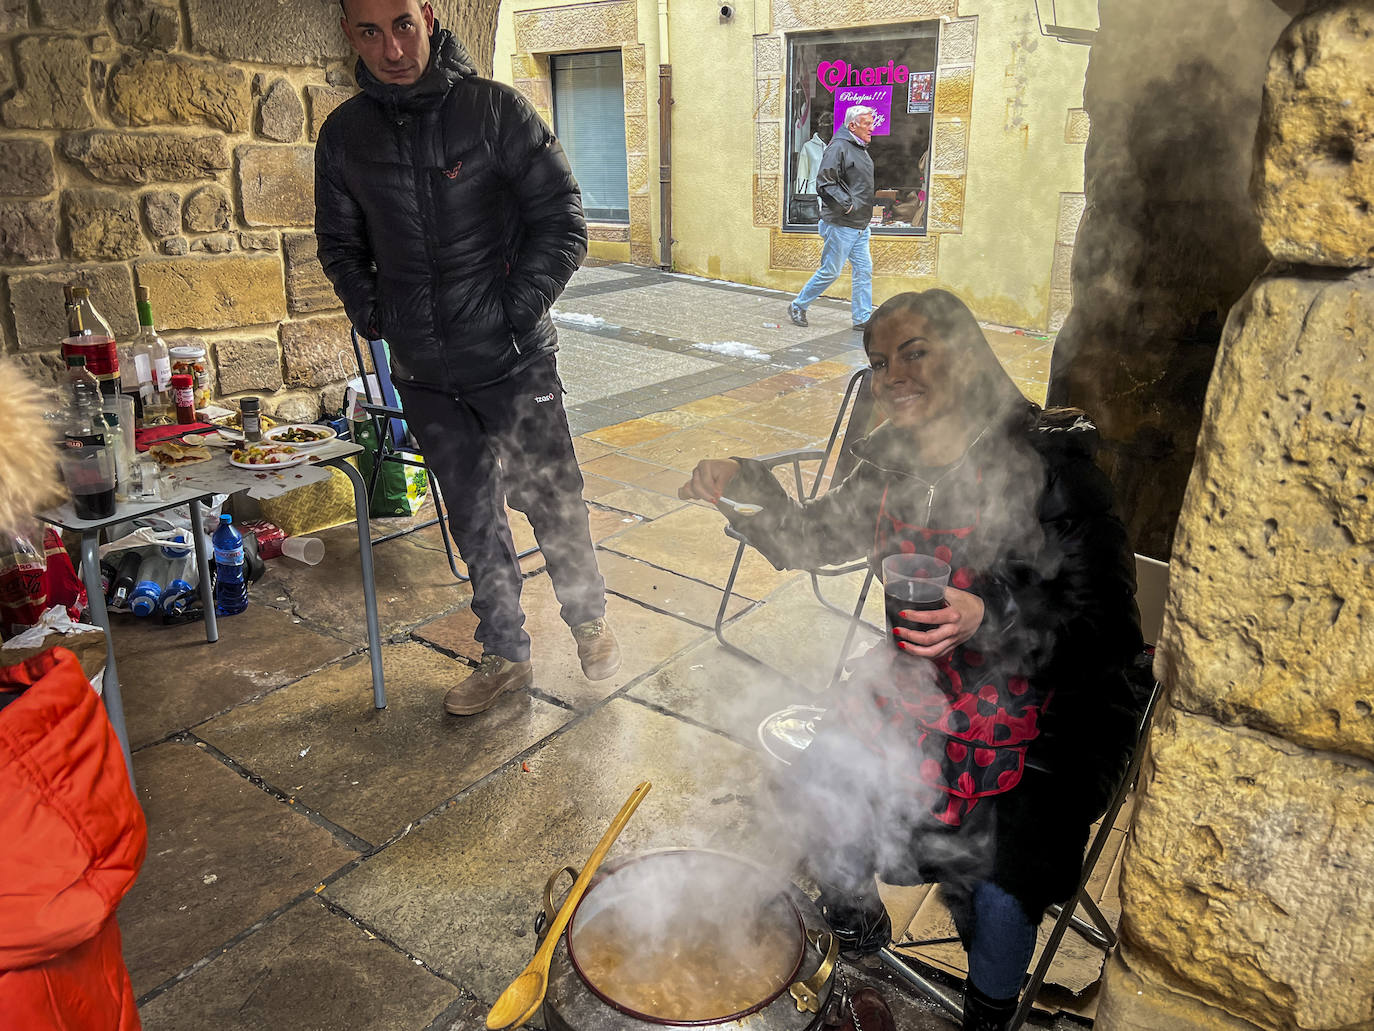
x: 275, y: 434
x: 291, y: 460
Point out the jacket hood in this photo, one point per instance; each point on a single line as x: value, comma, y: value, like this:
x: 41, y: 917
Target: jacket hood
x: 449, y: 62
x: 843, y: 133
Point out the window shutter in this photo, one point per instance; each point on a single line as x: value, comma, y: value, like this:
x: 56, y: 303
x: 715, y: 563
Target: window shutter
x: 589, y: 119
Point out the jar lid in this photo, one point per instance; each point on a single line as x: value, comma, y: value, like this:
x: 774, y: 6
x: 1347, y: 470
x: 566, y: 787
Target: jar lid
x: 186, y: 351
x: 182, y: 380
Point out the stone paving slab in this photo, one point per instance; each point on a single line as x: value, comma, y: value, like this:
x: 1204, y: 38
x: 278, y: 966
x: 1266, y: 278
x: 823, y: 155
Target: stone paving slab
x: 259, y: 649
x: 374, y: 771
x: 637, y: 473
x: 461, y: 891
x: 413, y: 583
x: 646, y: 639
x: 222, y: 854
x: 592, y: 367
x: 308, y: 970
x: 630, y: 433
x: 791, y: 632
x: 810, y: 413
x: 683, y: 449
x: 713, y: 686
x: 668, y: 592
x: 692, y: 542
x: 695, y: 311
x: 646, y: 503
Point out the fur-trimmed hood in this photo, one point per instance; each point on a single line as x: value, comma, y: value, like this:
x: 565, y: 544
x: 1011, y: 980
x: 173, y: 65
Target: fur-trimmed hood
x: 29, y: 479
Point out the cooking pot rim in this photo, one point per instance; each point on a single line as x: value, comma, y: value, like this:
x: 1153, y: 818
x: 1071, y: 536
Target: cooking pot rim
x: 621, y: 863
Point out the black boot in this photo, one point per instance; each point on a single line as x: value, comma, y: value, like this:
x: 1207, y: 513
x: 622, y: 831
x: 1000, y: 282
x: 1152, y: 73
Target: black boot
x: 984, y: 1014
x: 859, y: 922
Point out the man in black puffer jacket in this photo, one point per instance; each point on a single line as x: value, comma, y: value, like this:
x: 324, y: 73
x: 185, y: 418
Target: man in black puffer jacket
x: 448, y: 221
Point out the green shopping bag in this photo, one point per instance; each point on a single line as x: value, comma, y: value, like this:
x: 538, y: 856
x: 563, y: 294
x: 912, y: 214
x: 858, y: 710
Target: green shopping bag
x: 400, y: 489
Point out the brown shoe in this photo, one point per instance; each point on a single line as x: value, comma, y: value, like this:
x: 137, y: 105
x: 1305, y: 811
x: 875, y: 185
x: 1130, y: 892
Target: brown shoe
x: 597, y: 648
x: 488, y: 682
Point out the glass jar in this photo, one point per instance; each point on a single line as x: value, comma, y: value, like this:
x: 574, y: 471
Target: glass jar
x: 189, y: 360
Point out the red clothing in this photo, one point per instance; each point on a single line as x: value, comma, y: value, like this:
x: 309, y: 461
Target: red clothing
x: 74, y: 838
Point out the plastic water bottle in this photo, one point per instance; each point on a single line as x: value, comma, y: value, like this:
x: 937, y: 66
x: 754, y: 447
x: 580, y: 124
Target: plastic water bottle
x: 231, y: 583
x: 181, y: 584
x: 152, y: 577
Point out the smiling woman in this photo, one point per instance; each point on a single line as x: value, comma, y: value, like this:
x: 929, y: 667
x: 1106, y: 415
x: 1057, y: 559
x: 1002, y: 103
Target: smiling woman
x: 944, y: 759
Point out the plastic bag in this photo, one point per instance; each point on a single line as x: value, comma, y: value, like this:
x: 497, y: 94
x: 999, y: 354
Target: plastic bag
x: 33, y: 579
x: 54, y: 627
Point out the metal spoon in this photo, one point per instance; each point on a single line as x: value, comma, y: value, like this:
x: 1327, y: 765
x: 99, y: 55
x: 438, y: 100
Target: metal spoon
x: 744, y: 508
x: 523, y: 996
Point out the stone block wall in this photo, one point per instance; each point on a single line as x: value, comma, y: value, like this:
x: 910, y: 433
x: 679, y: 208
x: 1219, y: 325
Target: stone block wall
x: 170, y: 144
x: 1248, y: 883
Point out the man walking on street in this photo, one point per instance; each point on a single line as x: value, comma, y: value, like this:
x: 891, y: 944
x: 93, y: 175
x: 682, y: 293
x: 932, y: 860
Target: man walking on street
x: 845, y: 184
x: 448, y: 221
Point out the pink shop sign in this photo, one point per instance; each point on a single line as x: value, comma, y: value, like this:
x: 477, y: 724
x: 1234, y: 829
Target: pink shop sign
x: 877, y: 97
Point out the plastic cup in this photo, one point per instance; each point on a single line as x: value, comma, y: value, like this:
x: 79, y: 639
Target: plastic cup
x: 89, y: 472
x: 912, y: 583
x: 309, y: 550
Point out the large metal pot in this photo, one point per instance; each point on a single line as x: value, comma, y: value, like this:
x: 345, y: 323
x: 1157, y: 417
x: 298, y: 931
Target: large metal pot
x: 689, y: 937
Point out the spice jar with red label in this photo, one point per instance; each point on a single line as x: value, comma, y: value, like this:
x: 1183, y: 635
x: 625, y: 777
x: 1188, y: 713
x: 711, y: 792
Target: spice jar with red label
x: 189, y: 360
x: 184, y: 397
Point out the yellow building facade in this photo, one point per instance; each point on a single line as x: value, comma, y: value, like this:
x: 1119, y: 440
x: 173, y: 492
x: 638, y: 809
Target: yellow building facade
x: 981, y: 166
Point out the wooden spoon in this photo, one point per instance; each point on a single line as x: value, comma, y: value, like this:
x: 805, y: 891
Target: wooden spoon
x: 523, y: 996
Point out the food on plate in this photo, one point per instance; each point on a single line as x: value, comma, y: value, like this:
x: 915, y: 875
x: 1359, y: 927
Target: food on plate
x: 302, y: 434
x: 265, y: 454
x: 236, y: 421
x: 175, y: 452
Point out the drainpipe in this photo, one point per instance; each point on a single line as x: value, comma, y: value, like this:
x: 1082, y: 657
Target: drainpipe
x: 665, y: 141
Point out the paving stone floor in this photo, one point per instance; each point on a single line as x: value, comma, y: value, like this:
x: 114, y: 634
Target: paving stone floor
x: 316, y: 863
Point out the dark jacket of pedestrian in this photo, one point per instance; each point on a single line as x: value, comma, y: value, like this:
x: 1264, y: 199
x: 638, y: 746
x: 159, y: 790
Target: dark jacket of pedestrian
x: 448, y: 221
x: 845, y: 182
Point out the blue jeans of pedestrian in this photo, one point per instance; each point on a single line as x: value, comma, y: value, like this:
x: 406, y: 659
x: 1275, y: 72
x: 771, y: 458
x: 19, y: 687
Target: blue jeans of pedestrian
x: 841, y: 244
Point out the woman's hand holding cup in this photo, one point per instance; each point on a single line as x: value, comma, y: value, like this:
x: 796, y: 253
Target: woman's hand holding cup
x: 709, y: 480
x: 951, y: 626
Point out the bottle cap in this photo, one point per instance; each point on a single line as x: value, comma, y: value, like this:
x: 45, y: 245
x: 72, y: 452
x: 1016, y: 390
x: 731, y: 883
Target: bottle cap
x: 225, y: 517
x: 142, y: 605
x: 249, y: 405
x: 182, y: 380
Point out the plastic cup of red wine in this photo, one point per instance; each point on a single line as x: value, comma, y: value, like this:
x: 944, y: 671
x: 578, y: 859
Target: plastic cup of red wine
x: 912, y: 583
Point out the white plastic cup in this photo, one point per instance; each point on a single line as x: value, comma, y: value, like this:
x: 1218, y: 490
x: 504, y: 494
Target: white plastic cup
x: 309, y: 550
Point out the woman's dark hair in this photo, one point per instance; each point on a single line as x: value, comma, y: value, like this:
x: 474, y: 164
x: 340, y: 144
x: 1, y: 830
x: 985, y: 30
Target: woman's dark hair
x: 953, y: 322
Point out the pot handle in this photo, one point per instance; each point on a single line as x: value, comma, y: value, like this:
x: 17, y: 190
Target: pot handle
x: 544, y: 919
x: 806, y: 993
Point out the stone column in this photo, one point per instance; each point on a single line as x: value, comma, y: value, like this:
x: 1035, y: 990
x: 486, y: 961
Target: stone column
x: 1168, y: 240
x: 1248, y: 885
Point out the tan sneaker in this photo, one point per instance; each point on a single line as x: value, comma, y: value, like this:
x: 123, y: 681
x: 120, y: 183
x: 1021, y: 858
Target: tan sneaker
x: 480, y: 689
x: 597, y: 648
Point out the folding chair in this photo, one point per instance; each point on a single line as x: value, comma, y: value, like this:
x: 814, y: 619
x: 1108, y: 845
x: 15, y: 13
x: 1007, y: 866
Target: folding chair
x: 395, y: 443
x: 1152, y: 578
x: 854, y: 420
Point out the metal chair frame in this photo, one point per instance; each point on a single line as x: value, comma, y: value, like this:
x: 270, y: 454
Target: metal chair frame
x: 1097, y: 929
x: 851, y: 422
x: 386, y: 417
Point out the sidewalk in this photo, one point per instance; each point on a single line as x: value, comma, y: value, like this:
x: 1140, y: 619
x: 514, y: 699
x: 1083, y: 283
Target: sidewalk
x: 316, y: 863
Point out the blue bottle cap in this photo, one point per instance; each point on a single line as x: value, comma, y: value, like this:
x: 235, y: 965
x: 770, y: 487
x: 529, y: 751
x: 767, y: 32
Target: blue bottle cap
x: 225, y: 517
x: 142, y: 605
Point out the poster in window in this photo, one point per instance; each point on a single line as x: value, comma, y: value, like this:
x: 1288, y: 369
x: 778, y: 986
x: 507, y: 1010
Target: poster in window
x: 877, y: 97
x: 920, y: 93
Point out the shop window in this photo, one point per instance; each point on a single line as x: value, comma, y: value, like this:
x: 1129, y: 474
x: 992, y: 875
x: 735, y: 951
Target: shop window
x: 889, y: 69
x: 589, y: 120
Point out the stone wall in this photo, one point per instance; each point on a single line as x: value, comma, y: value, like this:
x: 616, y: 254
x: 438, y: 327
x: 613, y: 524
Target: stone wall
x: 169, y: 143
x: 1248, y: 883
x: 1169, y: 240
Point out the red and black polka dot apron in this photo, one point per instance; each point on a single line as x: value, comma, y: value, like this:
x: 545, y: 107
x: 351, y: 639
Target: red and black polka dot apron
x: 971, y: 730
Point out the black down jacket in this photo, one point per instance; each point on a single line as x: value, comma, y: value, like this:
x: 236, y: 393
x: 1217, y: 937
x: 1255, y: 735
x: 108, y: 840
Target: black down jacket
x: 448, y: 221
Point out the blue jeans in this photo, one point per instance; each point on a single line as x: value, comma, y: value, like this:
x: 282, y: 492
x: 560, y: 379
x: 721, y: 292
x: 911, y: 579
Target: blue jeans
x: 842, y: 244
x: 999, y: 938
